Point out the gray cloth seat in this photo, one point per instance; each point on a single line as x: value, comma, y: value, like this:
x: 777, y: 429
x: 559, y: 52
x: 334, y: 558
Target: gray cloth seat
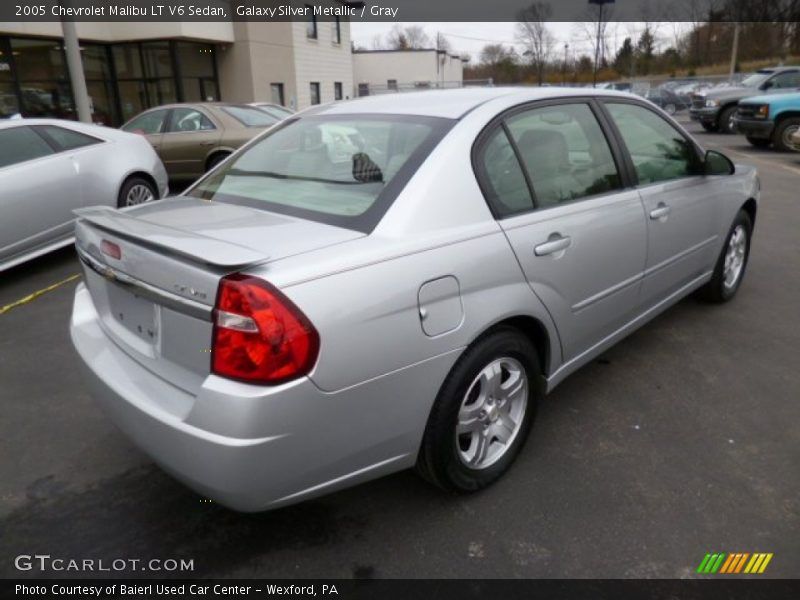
x: 547, y: 159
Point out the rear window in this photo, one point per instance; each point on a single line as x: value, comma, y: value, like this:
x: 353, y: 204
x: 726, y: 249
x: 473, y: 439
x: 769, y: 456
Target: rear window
x: 249, y: 116
x: 340, y: 170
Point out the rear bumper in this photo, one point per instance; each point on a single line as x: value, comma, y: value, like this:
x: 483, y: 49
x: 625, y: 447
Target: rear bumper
x: 254, y: 448
x: 755, y: 128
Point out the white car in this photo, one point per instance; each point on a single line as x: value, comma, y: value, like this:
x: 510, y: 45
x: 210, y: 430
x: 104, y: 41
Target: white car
x: 50, y: 167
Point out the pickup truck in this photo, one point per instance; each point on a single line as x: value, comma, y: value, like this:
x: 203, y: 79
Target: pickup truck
x: 715, y: 108
x: 771, y: 119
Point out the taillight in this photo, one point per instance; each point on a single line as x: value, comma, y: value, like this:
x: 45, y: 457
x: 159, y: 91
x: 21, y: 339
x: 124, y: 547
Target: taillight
x: 259, y: 335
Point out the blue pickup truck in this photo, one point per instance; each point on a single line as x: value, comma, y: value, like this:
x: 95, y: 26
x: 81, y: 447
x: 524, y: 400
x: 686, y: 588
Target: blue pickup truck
x: 770, y: 119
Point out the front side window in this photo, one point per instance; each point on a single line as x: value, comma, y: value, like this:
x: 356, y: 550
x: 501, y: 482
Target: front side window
x: 148, y: 123
x: 20, y: 144
x: 250, y: 116
x: 659, y: 151
x: 67, y: 139
x: 314, y: 89
x: 787, y: 80
x: 334, y: 170
x: 188, y: 119
x: 564, y: 152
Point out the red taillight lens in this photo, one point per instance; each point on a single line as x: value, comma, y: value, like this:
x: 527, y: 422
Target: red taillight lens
x: 260, y: 336
x: 111, y: 249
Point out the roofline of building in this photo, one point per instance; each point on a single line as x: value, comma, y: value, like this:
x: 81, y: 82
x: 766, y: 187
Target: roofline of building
x: 367, y: 51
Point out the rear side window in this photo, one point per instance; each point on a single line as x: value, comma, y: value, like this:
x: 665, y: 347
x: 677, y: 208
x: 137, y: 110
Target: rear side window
x: 20, y: 144
x: 189, y: 119
x: 565, y: 153
x: 506, y: 188
x: 250, y: 116
x: 340, y: 170
x: 659, y: 151
x: 148, y: 123
x: 67, y: 139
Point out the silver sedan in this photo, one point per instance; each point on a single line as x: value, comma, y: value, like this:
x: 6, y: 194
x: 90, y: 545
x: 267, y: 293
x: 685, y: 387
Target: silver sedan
x: 49, y: 167
x: 300, y: 320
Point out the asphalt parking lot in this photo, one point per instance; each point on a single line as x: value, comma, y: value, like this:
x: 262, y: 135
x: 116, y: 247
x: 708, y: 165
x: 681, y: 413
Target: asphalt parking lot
x: 681, y: 440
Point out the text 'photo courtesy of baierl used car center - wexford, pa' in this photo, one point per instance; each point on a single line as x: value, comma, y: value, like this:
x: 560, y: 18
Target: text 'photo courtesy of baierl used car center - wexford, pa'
x: 378, y: 299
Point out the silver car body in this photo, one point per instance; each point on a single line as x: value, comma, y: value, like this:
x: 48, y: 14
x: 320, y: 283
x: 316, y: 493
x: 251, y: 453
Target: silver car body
x: 394, y: 308
x: 37, y: 196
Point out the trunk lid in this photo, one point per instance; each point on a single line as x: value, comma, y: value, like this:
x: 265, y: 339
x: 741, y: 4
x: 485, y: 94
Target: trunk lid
x: 155, y: 301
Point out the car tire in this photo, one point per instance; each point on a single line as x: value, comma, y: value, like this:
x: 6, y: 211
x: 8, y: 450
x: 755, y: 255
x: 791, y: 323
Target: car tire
x: 725, y: 122
x: 136, y: 190
x: 709, y: 127
x: 216, y: 159
x: 782, y: 133
x: 732, y: 262
x: 759, y: 142
x: 491, y: 392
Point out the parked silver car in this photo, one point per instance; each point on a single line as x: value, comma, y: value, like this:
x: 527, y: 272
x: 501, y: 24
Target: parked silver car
x: 294, y: 324
x: 50, y: 167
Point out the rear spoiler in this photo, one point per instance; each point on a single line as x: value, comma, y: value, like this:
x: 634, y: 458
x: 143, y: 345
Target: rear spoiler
x: 186, y: 244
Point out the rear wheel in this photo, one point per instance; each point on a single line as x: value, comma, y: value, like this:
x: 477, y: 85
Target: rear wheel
x: 216, y: 159
x: 783, y: 131
x: 136, y: 190
x: 725, y: 120
x: 732, y: 262
x: 483, y: 413
x: 759, y: 142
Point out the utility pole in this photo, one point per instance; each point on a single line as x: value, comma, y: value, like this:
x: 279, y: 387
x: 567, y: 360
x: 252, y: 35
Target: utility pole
x: 566, y: 49
x: 734, y: 50
x: 600, y: 4
x: 75, y: 68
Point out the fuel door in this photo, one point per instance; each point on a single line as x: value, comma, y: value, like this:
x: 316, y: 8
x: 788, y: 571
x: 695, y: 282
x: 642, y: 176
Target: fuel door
x: 440, y: 308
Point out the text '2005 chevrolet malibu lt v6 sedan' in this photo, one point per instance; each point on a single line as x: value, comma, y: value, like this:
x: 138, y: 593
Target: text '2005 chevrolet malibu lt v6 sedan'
x: 318, y: 311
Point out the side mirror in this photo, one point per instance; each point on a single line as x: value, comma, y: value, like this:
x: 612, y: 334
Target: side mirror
x: 716, y: 163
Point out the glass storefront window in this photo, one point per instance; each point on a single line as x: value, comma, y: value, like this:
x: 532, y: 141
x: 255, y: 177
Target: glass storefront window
x: 47, y: 99
x: 96, y: 64
x: 195, y: 60
x: 127, y: 61
x: 38, y: 60
x: 9, y: 105
x: 157, y: 59
x: 199, y: 89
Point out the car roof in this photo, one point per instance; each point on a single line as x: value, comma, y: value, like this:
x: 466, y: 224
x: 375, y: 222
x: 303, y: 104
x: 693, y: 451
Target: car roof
x: 450, y: 104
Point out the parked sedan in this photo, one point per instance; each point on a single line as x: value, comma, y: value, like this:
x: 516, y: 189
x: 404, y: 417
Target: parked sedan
x: 276, y: 110
x: 50, y: 167
x: 194, y: 138
x: 669, y: 101
x: 300, y: 321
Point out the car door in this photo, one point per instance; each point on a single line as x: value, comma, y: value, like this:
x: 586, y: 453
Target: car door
x: 554, y: 182
x: 150, y: 124
x: 189, y: 136
x: 678, y: 199
x: 39, y: 188
x: 783, y: 82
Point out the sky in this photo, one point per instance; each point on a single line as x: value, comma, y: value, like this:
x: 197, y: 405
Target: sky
x: 469, y: 38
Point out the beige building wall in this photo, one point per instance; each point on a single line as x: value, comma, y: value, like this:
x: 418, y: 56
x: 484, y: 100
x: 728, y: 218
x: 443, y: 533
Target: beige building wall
x: 321, y: 60
x: 406, y: 67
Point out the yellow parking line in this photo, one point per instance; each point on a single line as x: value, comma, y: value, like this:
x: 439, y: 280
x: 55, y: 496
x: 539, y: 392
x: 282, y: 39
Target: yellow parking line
x: 36, y: 294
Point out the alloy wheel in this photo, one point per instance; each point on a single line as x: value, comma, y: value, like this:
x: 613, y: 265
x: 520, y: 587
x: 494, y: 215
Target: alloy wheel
x: 734, y: 257
x: 138, y: 194
x: 491, y: 413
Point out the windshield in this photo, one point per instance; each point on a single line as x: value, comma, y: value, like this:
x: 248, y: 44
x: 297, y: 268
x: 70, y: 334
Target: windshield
x: 341, y: 170
x: 250, y: 116
x: 756, y: 79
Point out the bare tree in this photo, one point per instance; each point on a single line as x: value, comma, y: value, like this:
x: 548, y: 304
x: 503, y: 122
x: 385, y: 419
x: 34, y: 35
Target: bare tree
x: 411, y: 37
x: 533, y: 35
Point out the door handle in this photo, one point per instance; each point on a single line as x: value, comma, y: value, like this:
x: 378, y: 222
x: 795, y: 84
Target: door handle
x: 555, y: 243
x: 207, y: 143
x: 662, y: 210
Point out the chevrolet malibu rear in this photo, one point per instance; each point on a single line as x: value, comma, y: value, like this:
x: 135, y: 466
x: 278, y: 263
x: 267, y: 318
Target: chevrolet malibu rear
x: 342, y: 299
